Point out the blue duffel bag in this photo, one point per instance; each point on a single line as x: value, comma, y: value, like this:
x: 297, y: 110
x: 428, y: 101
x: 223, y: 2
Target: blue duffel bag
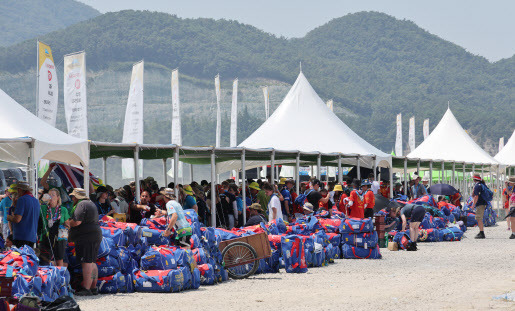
x: 450, y: 234
x: 108, y: 265
x: 155, y: 237
x: 366, y: 239
x: 294, y: 254
x: 353, y: 252
x: 356, y: 225
x: 207, y: 274
x: 158, y: 281
x: 158, y: 258
x: 112, y: 284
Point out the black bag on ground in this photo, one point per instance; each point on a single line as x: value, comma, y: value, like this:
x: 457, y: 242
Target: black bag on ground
x: 65, y: 303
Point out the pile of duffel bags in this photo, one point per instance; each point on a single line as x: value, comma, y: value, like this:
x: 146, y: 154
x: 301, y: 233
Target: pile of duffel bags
x: 46, y: 282
x: 489, y: 217
x: 359, y: 239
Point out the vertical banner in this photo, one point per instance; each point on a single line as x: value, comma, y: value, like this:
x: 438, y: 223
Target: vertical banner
x: 501, y: 143
x: 234, y: 115
x: 411, y: 137
x: 176, y: 121
x: 218, y: 112
x: 267, y: 102
x: 425, y: 129
x: 75, y: 100
x: 398, y: 137
x: 133, y: 125
x: 330, y: 104
x: 48, y: 91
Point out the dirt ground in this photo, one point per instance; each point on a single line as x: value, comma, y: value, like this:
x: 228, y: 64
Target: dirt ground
x: 440, y: 276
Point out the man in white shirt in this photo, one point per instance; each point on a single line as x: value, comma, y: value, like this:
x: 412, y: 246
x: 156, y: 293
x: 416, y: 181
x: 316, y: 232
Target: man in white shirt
x: 274, y: 206
x: 375, y: 184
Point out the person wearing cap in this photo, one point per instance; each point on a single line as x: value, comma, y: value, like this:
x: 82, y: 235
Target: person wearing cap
x: 417, y: 190
x: 6, y: 203
x: 370, y: 199
x: 357, y: 200
x: 337, y: 196
x: 479, y: 203
x: 101, y: 200
x: 177, y: 220
x: 25, y: 216
x: 286, y: 204
x: 253, y: 191
x: 425, y: 181
x: 189, y: 199
x: 308, y: 209
x: 255, y: 215
x: 85, y: 232
x: 510, y: 216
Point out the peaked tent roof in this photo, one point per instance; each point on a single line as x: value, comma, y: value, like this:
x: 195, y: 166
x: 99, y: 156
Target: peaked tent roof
x: 450, y: 142
x: 303, y: 111
x: 507, y: 154
x: 18, y: 126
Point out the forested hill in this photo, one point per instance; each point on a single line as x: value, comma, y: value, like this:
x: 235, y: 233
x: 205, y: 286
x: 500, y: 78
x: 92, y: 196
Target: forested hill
x: 25, y: 19
x: 372, y: 65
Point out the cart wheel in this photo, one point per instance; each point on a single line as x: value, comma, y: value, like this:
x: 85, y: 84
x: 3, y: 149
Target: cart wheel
x: 237, y: 253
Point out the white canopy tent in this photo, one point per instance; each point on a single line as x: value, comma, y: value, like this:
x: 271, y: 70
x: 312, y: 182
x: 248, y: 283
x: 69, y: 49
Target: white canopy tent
x: 450, y: 142
x: 26, y: 139
x: 507, y: 155
x: 303, y: 111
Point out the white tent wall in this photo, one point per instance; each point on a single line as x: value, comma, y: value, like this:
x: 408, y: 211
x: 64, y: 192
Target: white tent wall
x: 507, y: 155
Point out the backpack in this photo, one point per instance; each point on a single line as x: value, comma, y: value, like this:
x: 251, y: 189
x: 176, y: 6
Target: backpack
x: 486, y: 193
x: 303, y: 198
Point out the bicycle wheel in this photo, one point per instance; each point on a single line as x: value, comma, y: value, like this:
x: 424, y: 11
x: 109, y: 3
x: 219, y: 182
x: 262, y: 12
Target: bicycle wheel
x: 240, y: 260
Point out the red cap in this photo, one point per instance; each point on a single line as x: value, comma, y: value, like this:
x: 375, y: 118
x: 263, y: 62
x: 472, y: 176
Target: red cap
x: 477, y: 177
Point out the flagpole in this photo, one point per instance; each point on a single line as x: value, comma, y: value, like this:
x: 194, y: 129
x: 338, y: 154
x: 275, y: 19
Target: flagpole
x: 37, y: 78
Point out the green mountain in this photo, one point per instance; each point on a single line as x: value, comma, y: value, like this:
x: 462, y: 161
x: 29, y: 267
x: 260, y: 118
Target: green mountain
x: 25, y: 19
x: 372, y: 65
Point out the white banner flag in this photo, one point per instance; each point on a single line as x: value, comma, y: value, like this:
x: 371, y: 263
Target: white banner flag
x: 48, y: 91
x: 133, y: 125
x: 176, y: 120
x: 411, y: 137
x: 501, y: 143
x: 330, y: 104
x: 267, y: 102
x: 234, y: 115
x: 75, y: 104
x: 218, y: 112
x: 398, y: 137
x: 425, y: 129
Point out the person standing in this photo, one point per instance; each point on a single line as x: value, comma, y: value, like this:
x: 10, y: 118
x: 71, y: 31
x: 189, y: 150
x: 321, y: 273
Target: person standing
x: 189, y: 200
x: 356, y: 205
x: 25, y: 216
x: 274, y: 206
x: 417, y: 190
x: 177, y: 220
x: 505, y: 200
x: 479, y: 203
x: 374, y: 184
x: 370, y: 200
x: 6, y: 203
x: 85, y: 232
x: 511, y: 213
x: 314, y: 197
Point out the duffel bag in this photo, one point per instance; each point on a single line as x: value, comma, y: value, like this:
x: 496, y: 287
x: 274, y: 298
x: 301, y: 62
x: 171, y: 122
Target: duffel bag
x: 108, y: 265
x: 357, y: 225
x: 450, y: 234
x: 294, y: 256
x: 207, y: 274
x: 402, y: 239
x: 354, y: 252
x: 158, y: 258
x: 112, y: 284
x: 155, y: 237
x: 181, y: 279
x: 116, y: 234
x: 200, y: 256
x: 158, y: 281
x: 365, y: 240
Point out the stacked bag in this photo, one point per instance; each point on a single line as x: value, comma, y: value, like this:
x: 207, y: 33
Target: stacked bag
x: 360, y: 241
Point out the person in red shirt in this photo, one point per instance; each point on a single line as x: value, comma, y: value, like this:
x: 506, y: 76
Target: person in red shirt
x: 358, y: 199
x: 385, y: 189
x: 322, y: 205
x: 370, y: 199
x: 506, y: 201
x: 443, y: 201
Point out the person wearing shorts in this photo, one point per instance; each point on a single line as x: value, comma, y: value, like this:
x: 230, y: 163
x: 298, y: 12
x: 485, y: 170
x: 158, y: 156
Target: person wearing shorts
x: 85, y: 232
x: 480, y: 204
x: 177, y: 220
x: 415, y: 213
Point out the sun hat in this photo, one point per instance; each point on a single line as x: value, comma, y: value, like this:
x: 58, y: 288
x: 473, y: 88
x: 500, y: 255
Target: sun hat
x: 426, y: 178
x: 366, y: 182
x: 255, y: 206
x: 415, y: 176
x: 477, y: 177
x: 168, y: 192
x: 254, y: 185
x: 12, y: 188
x: 79, y: 194
x: 23, y: 185
x: 511, y: 179
x: 282, y: 181
x: 338, y: 188
x: 188, y: 190
x: 308, y: 207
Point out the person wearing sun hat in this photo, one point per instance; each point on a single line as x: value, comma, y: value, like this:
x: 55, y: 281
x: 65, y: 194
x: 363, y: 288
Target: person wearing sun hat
x: 255, y: 215
x: 25, y: 216
x: 177, y: 220
x: 308, y: 209
x: 189, y: 200
x: 479, y: 203
x: 418, y: 190
x: 6, y: 203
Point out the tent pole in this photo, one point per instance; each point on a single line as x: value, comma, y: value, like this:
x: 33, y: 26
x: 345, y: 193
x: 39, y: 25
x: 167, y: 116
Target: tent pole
x: 104, y: 170
x: 375, y: 168
x: 176, y: 173
x: 243, y: 187
x: 453, y: 173
x: 297, y: 173
x: 391, y: 181
x: 430, y: 173
x: 213, y: 190
x: 443, y: 173
x: 272, y: 167
x: 340, y: 176
x: 406, y: 192
x: 32, y: 171
x: 191, y: 172
x: 473, y: 172
x: 463, y: 178
x: 358, y: 167
x: 418, y: 168
x: 165, y: 173
x: 319, y: 166
x: 136, y: 172
x: 498, y: 188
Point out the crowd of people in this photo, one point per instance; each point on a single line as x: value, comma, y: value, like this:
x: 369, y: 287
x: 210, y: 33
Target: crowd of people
x: 60, y: 215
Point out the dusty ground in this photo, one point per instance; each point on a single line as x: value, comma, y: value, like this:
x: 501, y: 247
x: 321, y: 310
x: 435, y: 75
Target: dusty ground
x: 447, y: 275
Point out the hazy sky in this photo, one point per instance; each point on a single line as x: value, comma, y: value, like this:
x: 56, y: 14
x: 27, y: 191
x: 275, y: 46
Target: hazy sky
x: 483, y: 27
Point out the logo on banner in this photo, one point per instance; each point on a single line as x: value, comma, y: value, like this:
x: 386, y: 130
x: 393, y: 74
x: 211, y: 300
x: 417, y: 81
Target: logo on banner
x: 77, y: 84
x: 49, y: 75
x: 75, y: 61
x: 46, y: 52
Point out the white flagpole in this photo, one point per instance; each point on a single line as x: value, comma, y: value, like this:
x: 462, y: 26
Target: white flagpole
x: 218, y: 112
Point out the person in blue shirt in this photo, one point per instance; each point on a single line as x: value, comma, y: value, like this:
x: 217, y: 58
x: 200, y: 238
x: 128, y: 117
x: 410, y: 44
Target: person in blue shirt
x: 4, y: 209
x: 189, y: 200
x: 25, y: 216
x: 418, y: 190
x: 479, y: 203
x: 285, y: 192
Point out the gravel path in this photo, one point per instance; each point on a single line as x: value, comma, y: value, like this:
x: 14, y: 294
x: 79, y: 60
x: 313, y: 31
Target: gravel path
x: 447, y: 275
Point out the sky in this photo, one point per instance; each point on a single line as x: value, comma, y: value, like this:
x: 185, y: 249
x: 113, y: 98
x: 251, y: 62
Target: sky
x: 482, y: 27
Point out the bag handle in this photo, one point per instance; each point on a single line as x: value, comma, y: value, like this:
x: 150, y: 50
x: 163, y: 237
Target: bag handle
x: 160, y: 282
x: 354, y: 253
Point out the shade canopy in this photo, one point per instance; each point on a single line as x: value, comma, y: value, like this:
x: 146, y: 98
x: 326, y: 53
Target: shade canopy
x: 450, y: 142
x: 507, y: 154
x: 304, y: 113
x: 19, y: 128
